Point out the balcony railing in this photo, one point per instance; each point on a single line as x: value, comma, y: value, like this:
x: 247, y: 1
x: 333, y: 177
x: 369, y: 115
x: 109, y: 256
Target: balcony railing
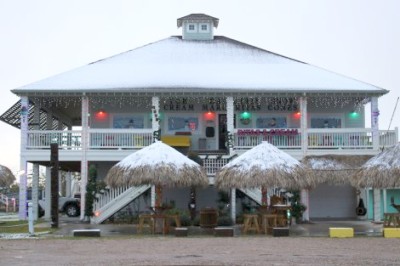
x: 41, y: 139
x: 120, y: 138
x: 344, y: 138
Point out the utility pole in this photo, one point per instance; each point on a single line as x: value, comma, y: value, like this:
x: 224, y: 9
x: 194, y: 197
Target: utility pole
x: 54, y: 184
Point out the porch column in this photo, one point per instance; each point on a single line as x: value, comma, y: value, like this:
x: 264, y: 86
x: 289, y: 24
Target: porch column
x: 233, y: 205
x: 23, y: 170
x: 35, y: 190
x: 377, y: 205
x: 153, y: 197
x: 230, y: 123
x: 47, y: 209
x: 35, y: 168
x: 85, y: 146
x: 303, y: 124
x: 68, y: 178
x: 304, y: 195
x: 155, y: 117
x: 375, y: 122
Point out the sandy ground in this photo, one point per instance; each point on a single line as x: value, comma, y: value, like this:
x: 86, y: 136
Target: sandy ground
x: 244, y: 250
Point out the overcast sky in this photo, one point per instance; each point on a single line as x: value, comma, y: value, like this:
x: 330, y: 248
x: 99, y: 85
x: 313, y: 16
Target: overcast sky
x: 41, y: 38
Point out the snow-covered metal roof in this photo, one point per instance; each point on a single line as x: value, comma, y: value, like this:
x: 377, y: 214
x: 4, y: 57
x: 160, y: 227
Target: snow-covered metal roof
x: 220, y: 65
x: 197, y: 17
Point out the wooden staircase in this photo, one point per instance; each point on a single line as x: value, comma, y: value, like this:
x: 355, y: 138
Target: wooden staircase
x: 111, y: 200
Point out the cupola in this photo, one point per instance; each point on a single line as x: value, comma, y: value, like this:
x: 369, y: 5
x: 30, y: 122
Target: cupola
x: 197, y: 26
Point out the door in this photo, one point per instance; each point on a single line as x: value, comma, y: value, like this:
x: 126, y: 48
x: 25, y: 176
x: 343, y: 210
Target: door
x: 222, y: 131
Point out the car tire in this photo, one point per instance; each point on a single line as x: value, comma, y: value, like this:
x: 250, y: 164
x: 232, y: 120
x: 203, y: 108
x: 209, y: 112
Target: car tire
x: 72, y: 210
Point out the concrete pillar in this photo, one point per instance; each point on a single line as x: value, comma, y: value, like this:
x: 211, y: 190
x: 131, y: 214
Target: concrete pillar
x: 153, y: 197
x: 375, y: 122
x: 85, y: 146
x: 23, y: 170
x: 304, y: 195
x: 303, y: 124
x: 230, y: 126
x: 377, y: 205
x: 155, y: 117
x: 35, y: 191
x: 233, y: 205
x: 68, y: 178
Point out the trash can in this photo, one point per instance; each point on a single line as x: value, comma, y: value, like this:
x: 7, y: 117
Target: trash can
x: 208, y: 218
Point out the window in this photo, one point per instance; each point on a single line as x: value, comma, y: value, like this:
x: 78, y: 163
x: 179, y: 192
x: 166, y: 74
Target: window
x: 191, y: 27
x: 326, y: 122
x: 271, y: 122
x: 204, y: 28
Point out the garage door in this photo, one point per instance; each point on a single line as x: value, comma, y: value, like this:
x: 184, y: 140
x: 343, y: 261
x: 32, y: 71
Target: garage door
x: 336, y: 202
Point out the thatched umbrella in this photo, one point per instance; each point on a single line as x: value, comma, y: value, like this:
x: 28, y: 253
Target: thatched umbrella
x: 264, y: 166
x: 381, y: 171
x: 159, y: 165
x: 6, y: 176
x: 334, y: 169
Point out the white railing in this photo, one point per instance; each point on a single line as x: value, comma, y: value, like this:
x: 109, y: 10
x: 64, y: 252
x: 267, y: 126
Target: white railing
x: 254, y: 194
x: 388, y: 137
x: 213, y: 164
x: 98, y: 138
x: 120, y: 138
x: 285, y: 138
x: 348, y: 138
x: 66, y: 139
x: 318, y: 138
x: 113, y: 199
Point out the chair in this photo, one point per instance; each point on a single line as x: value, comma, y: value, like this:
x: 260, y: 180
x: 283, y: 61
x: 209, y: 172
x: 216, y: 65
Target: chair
x: 251, y: 223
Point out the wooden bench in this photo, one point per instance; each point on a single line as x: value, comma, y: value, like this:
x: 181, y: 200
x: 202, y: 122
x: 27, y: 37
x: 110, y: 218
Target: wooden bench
x: 86, y: 232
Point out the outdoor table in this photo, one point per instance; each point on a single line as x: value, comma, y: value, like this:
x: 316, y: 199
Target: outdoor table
x: 145, y: 219
x: 281, y: 211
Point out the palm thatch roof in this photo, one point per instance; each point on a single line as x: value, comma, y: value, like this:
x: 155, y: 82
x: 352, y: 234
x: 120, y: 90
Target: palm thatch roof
x: 334, y: 169
x: 381, y: 171
x: 264, y: 166
x: 157, y: 164
x: 6, y: 176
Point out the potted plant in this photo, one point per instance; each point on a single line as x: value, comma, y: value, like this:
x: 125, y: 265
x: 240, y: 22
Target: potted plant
x: 297, y: 208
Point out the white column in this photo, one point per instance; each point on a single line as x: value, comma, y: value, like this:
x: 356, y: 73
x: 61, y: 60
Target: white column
x: 384, y: 200
x: 60, y: 190
x: 68, y: 178
x: 153, y: 197
x: 155, y: 117
x: 47, y: 209
x: 230, y: 127
x: 303, y: 124
x: 377, y: 205
x: 85, y: 146
x: 233, y: 205
x: 304, y: 195
x: 375, y: 122
x: 35, y: 191
x: 22, y: 213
